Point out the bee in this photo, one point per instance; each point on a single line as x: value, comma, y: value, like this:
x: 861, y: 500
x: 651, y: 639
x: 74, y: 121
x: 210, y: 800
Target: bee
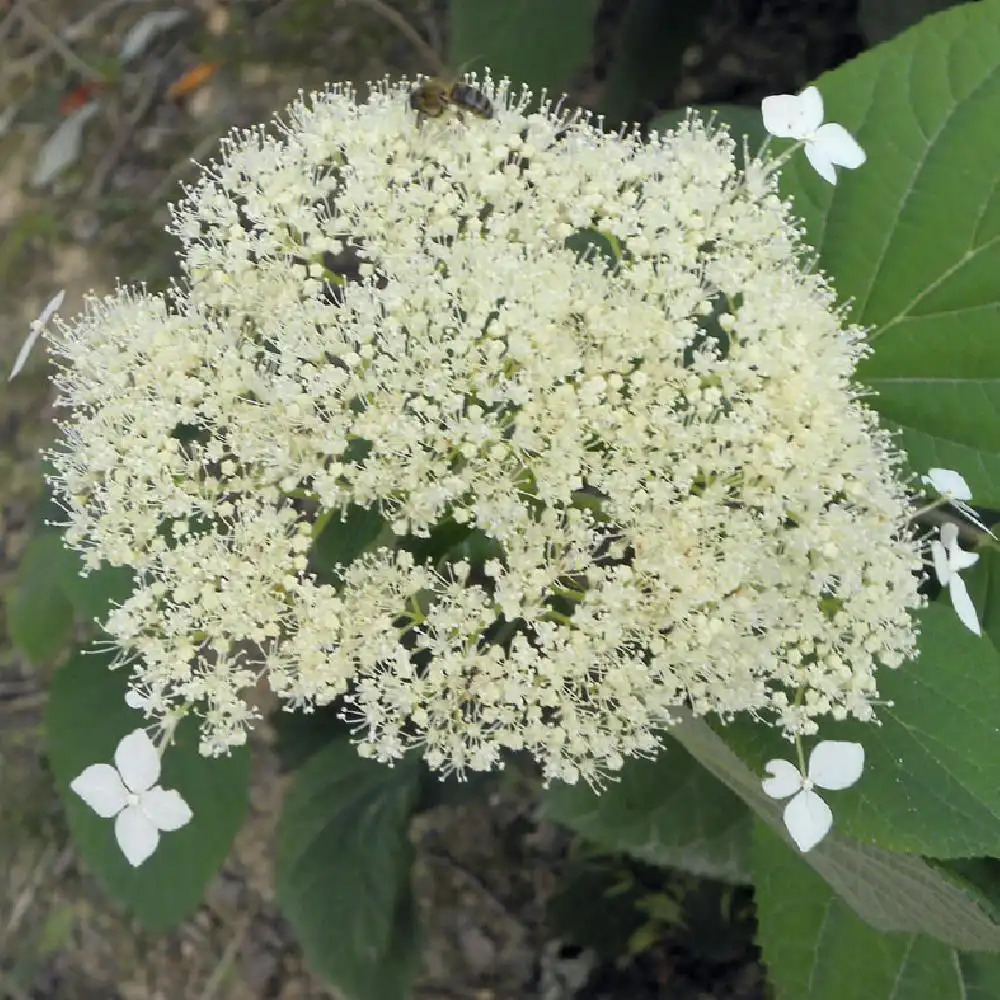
x: 432, y: 97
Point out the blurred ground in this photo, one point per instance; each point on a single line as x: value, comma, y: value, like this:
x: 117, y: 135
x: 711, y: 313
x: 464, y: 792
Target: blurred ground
x: 486, y: 872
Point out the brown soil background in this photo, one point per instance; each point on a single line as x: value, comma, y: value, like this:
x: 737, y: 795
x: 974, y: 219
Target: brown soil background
x: 487, y: 871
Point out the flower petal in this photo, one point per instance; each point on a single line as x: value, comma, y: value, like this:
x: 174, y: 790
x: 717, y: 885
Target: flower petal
x: 948, y: 483
x: 165, y: 808
x: 840, y: 146
x: 836, y: 764
x: 137, y: 761
x: 35, y: 331
x: 808, y: 819
x: 135, y: 700
x: 136, y: 834
x: 942, y: 568
x: 949, y: 535
x: 959, y: 559
x: 963, y: 605
x: 793, y: 116
x: 820, y: 162
x: 785, y: 779
x: 101, y: 788
x: 811, y: 109
x: 781, y: 116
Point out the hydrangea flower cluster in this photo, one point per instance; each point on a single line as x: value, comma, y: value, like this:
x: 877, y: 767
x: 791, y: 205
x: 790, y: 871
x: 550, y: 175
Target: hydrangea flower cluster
x: 601, y: 353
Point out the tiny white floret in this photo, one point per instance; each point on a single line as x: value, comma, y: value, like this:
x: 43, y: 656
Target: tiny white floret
x: 129, y: 792
x: 35, y: 331
x: 949, y: 559
x: 833, y: 765
x: 800, y: 117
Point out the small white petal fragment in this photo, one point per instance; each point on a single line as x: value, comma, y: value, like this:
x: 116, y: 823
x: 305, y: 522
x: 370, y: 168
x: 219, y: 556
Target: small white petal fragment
x: 948, y: 483
x: 137, y: 761
x: 142, y: 33
x: 836, y: 764
x: 784, y: 779
x: 165, y: 808
x: 8, y: 116
x: 35, y: 331
x: 136, y: 834
x: 62, y: 148
x: 808, y: 819
x: 101, y: 788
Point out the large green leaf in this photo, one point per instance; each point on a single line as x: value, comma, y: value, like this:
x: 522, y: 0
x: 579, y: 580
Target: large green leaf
x: 51, y: 595
x: 87, y: 717
x: 39, y: 614
x: 343, y: 870
x: 892, y: 892
x: 542, y: 43
x: 816, y: 948
x: 668, y: 811
x: 932, y: 766
x: 912, y: 238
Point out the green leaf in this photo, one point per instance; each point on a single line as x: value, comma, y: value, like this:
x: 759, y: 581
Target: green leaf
x: 647, y: 61
x: 931, y: 783
x: 39, y: 615
x: 816, y: 948
x: 51, y: 594
x: 298, y: 735
x: 343, y: 870
x: 87, y: 717
x: 669, y: 811
x: 93, y: 595
x: 912, y: 238
x: 881, y: 19
x: 541, y: 43
x: 892, y: 892
x: 343, y: 538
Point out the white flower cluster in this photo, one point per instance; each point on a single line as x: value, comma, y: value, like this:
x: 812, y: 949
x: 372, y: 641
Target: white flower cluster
x: 657, y: 434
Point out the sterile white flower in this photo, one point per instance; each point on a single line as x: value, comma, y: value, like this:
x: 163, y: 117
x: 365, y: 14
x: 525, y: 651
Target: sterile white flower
x: 948, y: 483
x: 35, y: 330
x: 791, y: 116
x: 833, y: 765
x: 600, y: 354
x: 949, y: 559
x: 129, y: 792
x: 953, y: 487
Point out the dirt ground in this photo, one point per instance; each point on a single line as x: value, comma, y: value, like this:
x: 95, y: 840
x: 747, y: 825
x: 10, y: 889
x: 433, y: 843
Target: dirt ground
x: 486, y: 872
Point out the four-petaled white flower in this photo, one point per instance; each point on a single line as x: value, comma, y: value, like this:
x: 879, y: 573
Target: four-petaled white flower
x: 953, y: 487
x: 833, y: 764
x: 129, y: 792
x: 37, y: 326
x: 791, y: 116
x: 949, y: 560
